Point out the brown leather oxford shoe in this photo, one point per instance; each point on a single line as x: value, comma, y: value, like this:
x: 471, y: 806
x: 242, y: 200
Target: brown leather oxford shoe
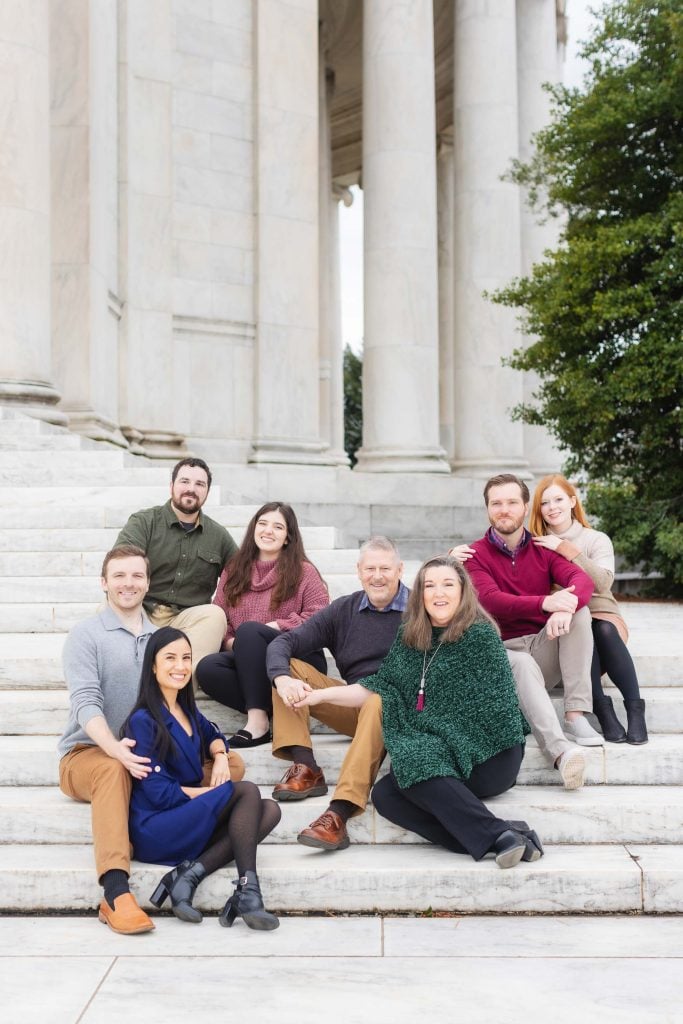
x: 299, y: 782
x: 328, y: 832
x: 126, y: 918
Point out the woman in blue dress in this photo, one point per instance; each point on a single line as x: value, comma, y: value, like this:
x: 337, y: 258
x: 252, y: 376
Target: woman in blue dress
x: 174, y: 818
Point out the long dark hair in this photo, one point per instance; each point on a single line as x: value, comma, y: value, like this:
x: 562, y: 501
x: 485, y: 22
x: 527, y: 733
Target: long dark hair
x: 290, y: 560
x: 417, y: 627
x: 150, y: 698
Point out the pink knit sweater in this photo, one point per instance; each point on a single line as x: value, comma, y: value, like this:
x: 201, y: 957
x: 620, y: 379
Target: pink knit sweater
x: 254, y: 606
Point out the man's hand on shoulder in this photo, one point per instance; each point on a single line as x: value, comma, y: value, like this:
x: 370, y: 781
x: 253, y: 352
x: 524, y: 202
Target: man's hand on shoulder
x: 138, y: 767
x: 561, y: 601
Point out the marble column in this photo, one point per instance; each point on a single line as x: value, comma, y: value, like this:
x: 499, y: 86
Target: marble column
x: 330, y: 357
x: 287, y: 381
x: 536, y: 64
x: 85, y: 308
x: 25, y: 344
x: 444, y: 202
x: 400, y: 359
x: 486, y: 237
x: 149, y: 378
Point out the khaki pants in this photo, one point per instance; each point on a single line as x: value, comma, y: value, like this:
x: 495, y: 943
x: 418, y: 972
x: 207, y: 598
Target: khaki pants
x: 537, y: 706
x: 204, y: 624
x: 364, y: 724
x: 565, y: 659
x: 87, y: 774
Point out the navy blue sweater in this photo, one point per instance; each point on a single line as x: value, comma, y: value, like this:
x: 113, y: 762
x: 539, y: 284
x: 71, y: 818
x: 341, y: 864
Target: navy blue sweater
x: 358, y: 641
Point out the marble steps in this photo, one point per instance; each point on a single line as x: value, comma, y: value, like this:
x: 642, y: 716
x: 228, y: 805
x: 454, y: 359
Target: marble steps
x: 617, y: 878
x: 45, y: 565
x: 32, y: 655
x: 87, y: 469
x: 33, y: 542
x: 111, y: 512
x: 31, y: 760
x: 44, y: 711
x: 593, y: 816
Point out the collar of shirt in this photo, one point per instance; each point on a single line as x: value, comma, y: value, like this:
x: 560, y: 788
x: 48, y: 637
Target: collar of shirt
x: 110, y: 620
x: 497, y: 542
x: 399, y: 603
x: 172, y: 519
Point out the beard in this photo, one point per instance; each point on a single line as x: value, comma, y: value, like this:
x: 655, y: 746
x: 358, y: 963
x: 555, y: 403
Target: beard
x: 507, y: 526
x: 187, y: 503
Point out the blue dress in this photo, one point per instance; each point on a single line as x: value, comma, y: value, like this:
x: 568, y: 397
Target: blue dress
x: 166, y: 826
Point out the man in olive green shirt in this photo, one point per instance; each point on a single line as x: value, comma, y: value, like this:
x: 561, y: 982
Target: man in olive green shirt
x: 186, y: 552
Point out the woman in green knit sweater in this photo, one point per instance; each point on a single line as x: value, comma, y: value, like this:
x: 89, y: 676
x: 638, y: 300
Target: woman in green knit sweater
x: 451, y: 721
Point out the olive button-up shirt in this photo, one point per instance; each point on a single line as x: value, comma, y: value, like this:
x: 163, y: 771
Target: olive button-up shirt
x: 185, y: 564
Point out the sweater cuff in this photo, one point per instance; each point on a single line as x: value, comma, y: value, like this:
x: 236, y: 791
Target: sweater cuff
x: 568, y: 550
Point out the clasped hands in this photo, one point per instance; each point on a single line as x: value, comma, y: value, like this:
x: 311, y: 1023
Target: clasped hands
x: 295, y: 693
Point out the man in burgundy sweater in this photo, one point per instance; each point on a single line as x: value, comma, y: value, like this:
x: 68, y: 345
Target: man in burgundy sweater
x: 514, y: 578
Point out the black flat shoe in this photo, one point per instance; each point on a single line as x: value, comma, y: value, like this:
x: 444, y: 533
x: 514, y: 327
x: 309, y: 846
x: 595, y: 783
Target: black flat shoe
x: 243, y: 738
x: 509, y: 848
x: 534, y: 847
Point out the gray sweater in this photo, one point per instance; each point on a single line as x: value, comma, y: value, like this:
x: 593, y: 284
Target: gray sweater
x: 102, y: 661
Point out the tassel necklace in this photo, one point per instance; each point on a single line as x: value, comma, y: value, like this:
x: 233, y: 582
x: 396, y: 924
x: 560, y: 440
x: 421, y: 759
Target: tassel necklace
x: 425, y: 669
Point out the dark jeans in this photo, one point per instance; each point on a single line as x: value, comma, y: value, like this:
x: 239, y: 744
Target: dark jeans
x: 238, y: 678
x: 610, y: 654
x: 448, y: 811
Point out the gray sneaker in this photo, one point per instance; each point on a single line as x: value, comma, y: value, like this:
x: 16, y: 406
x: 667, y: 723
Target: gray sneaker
x: 582, y: 732
x: 572, y: 767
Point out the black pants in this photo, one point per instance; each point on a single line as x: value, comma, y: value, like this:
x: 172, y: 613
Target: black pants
x: 448, y: 811
x: 238, y: 678
x: 610, y: 654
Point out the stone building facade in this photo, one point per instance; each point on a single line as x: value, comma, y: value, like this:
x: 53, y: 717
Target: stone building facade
x: 170, y: 183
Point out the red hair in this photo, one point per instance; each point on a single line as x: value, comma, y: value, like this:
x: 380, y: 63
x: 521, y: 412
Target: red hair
x: 536, y: 524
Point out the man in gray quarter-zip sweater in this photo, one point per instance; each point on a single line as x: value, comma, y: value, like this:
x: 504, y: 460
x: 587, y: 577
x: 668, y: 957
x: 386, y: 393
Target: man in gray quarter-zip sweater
x: 102, y: 662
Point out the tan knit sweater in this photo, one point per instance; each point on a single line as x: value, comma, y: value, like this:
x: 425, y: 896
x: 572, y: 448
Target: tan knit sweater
x: 593, y: 552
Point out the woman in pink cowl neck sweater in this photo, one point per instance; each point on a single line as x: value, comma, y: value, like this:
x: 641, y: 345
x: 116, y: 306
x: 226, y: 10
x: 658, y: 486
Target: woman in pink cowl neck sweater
x: 268, y: 586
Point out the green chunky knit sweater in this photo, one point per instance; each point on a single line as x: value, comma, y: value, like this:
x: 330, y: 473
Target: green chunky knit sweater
x: 470, y: 711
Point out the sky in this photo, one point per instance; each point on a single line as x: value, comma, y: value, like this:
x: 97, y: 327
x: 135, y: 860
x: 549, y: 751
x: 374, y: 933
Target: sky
x: 351, y: 218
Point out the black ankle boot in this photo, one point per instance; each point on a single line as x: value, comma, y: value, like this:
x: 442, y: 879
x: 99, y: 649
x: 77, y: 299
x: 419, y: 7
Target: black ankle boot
x: 612, y: 729
x: 636, y: 732
x: 180, y: 885
x: 246, y: 902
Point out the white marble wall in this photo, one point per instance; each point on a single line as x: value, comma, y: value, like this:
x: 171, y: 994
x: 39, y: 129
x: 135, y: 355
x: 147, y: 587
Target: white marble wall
x: 149, y: 380
x: 83, y: 134
x: 287, y: 168
x: 213, y: 223
x: 400, y: 361
x: 25, y: 350
x: 486, y: 236
x: 185, y: 212
x: 536, y: 65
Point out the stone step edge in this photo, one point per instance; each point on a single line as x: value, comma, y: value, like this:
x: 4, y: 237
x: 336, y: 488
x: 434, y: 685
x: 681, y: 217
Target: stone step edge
x: 613, y: 764
x: 593, y: 818
x: 592, y: 879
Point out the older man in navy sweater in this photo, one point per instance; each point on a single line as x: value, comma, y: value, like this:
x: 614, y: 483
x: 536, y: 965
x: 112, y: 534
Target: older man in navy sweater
x: 358, y: 629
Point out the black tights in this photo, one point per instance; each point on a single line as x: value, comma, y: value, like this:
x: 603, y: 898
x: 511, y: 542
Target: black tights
x: 238, y: 678
x: 243, y: 823
x: 610, y: 655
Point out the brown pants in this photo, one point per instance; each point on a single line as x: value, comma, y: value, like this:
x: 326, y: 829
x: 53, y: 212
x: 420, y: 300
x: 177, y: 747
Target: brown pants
x: 364, y: 756
x: 87, y: 774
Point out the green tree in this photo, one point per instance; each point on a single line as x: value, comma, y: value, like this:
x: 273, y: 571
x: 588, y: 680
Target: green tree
x: 353, y: 403
x: 605, y: 309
